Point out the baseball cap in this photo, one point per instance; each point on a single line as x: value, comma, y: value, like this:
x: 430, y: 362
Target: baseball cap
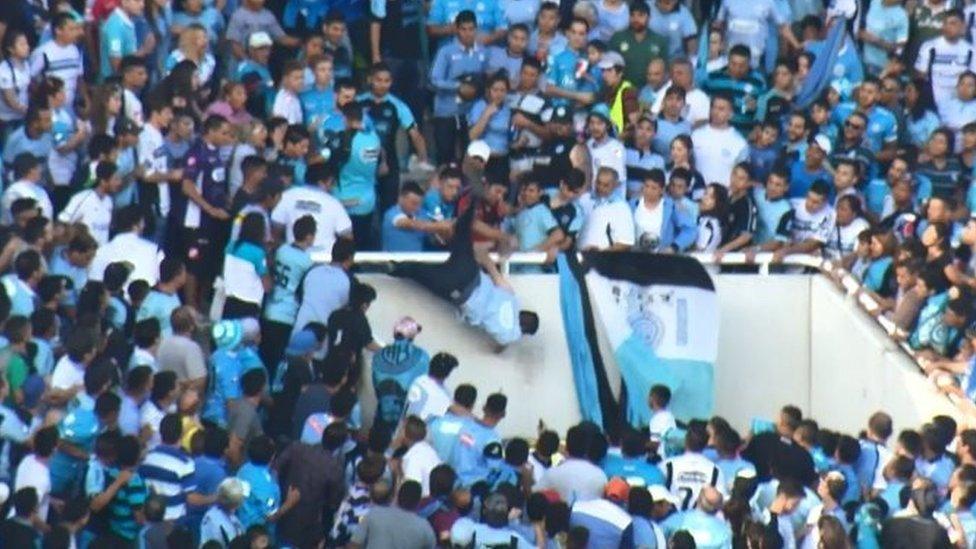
x: 617, y: 490
x: 479, y: 149
x: 406, y: 327
x: 259, y: 39
x: 601, y: 110
x: 561, y: 115
x: 302, y: 343
x: 823, y: 142
x: 610, y: 60
x: 660, y: 493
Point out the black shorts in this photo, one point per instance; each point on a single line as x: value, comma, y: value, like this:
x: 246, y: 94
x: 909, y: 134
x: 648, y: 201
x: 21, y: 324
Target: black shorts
x: 199, y: 253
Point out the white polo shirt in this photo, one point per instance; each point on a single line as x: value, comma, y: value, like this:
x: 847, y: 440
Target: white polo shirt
x: 717, y: 151
x: 427, y: 398
x: 331, y: 219
x: 91, y: 210
x: 608, y: 222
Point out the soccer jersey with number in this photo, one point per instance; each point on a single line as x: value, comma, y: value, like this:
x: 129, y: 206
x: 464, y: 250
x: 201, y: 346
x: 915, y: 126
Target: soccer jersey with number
x: 291, y: 264
x: 687, y: 474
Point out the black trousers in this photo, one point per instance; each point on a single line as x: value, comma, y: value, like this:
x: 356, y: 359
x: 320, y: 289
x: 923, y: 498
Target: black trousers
x: 274, y: 340
x: 454, y: 279
x: 238, y: 308
x: 450, y: 138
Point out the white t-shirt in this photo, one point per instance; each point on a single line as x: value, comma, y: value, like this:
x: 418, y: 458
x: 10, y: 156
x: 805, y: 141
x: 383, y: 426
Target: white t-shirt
x: 25, y: 189
x: 331, y: 219
x: 14, y: 77
x: 287, y: 106
x: 946, y: 61
x: 687, y: 474
x: 610, y: 154
x: 843, y: 240
x: 152, y: 416
x: 696, y: 108
x: 609, y: 222
x: 94, y: 211
x: 648, y: 222
x: 144, y: 256
x: 152, y: 158
x: 32, y: 473
x: 64, y: 62
x: 427, y: 398
x: 133, y: 107
x: 661, y: 422
x: 805, y: 225
x: 418, y: 462
x: 67, y: 374
x: 717, y: 151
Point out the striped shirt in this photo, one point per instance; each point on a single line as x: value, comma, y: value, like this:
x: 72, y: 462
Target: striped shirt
x: 169, y: 473
x: 129, y: 499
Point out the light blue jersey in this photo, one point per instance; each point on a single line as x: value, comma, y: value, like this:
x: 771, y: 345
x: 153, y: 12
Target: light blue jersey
x: 493, y: 309
x: 637, y: 471
x: 159, y: 305
x: 444, y: 431
x: 262, y: 496
x: 228, y: 366
x: 882, y: 125
x: 468, y: 456
x: 400, y: 239
x: 79, y: 427
x: 117, y: 40
x: 356, y: 187
x: 496, y: 132
x: 22, y: 297
x: 770, y: 214
x: 709, y: 531
x: 533, y: 225
x: 316, y: 104
x: 563, y: 71
x: 291, y: 264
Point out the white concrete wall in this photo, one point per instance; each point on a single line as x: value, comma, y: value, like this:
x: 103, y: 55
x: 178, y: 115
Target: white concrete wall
x: 783, y: 339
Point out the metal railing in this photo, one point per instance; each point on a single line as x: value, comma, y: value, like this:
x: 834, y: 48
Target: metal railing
x: 763, y: 263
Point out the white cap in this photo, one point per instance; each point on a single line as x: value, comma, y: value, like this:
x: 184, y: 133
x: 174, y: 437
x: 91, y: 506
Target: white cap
x: 259, y: 39
x: 610, y: 60
x: 479, y: 149
x: 823, y: 142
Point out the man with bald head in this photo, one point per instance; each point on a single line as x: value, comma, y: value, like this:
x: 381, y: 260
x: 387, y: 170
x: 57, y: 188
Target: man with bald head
x: 702, y: 521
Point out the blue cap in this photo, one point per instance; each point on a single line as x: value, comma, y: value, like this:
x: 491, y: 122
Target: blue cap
x: 601, y: 110
x: 302, y: 343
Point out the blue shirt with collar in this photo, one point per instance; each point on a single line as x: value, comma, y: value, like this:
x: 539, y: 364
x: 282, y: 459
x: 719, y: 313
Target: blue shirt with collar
x: 533, y: 225
x: 399, y: 239
x: 453, y: 61
x: 496, y: 132
x: 667, y: 130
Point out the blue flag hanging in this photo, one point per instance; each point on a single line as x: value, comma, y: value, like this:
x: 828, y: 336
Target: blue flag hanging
x: 822, y: 69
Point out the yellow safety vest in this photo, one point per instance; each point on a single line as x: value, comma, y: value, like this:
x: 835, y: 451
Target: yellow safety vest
x: 617, y: 107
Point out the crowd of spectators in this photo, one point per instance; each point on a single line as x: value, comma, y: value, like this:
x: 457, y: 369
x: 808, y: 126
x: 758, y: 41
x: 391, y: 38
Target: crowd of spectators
x: 177, y: 371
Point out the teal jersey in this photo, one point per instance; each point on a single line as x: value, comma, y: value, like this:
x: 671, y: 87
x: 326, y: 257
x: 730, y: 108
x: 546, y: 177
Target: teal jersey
x: 262, y: 496
x: 395, y: 367
x: 159, y: 305
x: 117, y: 39
x: 227, y: 367
x: 770, y: 214
x: 290, y: 265
x: 316, y: 104
x: 356, y: 187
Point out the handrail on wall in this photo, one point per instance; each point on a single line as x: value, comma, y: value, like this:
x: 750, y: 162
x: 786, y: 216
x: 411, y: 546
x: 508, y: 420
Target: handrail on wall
x: 844, y: 279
